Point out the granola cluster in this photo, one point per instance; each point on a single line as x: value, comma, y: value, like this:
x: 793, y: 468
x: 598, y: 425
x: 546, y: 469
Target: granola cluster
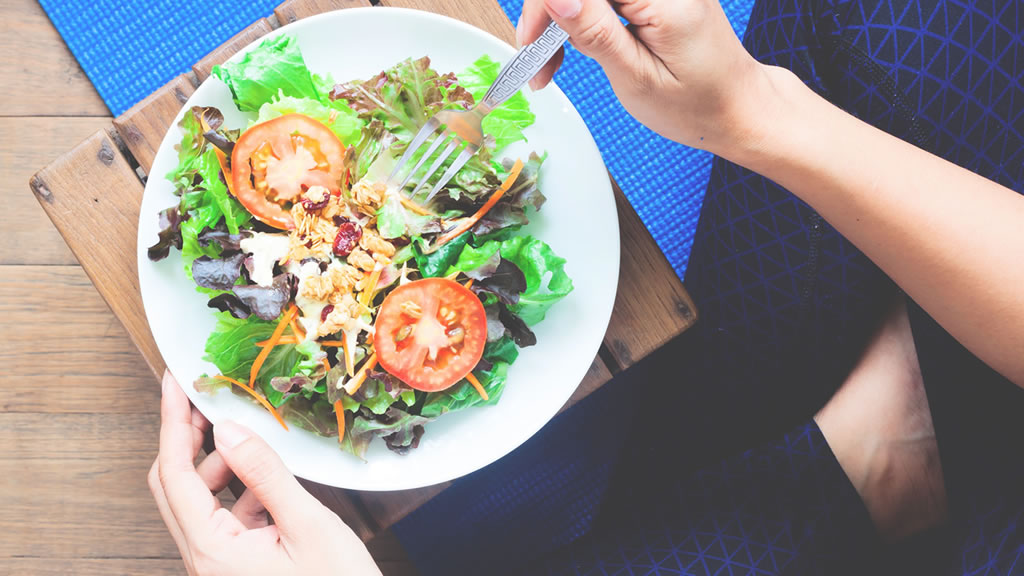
x: 319, y: 219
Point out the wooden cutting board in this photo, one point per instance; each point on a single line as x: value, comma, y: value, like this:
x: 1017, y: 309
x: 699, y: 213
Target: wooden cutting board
x: 93, y: 193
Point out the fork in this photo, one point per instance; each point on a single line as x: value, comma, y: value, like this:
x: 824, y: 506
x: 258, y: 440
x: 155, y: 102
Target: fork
x: 458, y: 127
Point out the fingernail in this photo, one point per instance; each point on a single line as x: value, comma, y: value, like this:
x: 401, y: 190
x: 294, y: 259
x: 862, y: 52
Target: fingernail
x: 519, y: 32
x: 167, y: 381
x: 565, y: 8
x: 533, y: 84
x: 229, y: 434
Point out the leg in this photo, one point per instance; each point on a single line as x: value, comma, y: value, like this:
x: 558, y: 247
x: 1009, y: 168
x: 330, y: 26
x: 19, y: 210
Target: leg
x: 880, y: 429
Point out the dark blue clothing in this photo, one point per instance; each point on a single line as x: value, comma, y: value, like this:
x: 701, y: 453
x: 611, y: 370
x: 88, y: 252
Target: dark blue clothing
x: 787, y: 306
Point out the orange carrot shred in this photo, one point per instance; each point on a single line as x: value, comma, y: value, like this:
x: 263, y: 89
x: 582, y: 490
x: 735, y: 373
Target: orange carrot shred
x: 352, y: 386
x: 415, y: 207
x: 222, y: 159
x: 479, y: 387
x: 339, y: 412
x: 327, y: 365
x: 259, y: 398
x: 469, y: 222
x: 332, y: 343
x: 469, y: 283
x: 262, y: 357
x: 300, y: 335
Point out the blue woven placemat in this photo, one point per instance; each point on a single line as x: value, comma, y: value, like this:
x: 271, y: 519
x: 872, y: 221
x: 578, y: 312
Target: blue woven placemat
x: 664, y: 181
x: 129, y: 50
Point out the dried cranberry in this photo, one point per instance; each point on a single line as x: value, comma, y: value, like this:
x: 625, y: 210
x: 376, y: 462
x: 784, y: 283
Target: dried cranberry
x: 347, y: 238
x: 326, y: 312
x: 339, y: 220
x: 311, y: 206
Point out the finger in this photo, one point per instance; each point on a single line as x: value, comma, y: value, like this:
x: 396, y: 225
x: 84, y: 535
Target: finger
x: 264, y: 474
x: 250, y: 511
x: 532, y: 22
x: 200, y: 429
x: 187, y: 495
x: 214, y: 472
x: 595, y: 30
x: 165, y: 513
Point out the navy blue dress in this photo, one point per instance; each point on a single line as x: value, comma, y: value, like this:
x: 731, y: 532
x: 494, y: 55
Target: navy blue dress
x: 787, y: 306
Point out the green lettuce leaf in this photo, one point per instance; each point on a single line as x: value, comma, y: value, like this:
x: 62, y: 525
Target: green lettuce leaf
x: 313, y: 414
x: 275, y: 68
x: 537, y: 261
x: 394, y: 220
x: 404, y: 96
x: 231, y: 347
x: 336, y: 115
x: 463, y: 395
x: 205, y: 201
x: 503, y: 350
x: 437, y: 262
x: 546, y: 279
x: 506, y: 122
x: 400, y: 430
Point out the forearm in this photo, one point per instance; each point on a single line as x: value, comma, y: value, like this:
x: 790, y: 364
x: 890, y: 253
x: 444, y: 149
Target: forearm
x: 954, y: 241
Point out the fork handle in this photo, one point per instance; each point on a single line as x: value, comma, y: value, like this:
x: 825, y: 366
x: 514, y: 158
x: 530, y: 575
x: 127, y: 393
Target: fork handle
x: 524, y: 66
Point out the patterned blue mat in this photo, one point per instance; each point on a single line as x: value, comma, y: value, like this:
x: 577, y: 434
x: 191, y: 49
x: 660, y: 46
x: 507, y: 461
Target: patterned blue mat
x: 129, y: 50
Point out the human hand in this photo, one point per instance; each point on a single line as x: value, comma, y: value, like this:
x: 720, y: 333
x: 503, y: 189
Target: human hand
x: 678, y: 67
x: 306, y: 538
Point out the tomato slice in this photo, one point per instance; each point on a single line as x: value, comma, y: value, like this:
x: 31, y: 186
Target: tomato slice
x: 430, y: 333
x: 274, y: 162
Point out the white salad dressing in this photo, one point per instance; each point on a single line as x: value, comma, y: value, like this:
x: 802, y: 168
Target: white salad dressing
x: 311, y: 309
x: 266, y: 250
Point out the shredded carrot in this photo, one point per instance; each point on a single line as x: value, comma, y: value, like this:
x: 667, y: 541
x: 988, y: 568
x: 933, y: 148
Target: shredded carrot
x: 469, y: 283
x: 468, y: 223
x: 339, y: 412
x: 350, y: 354
x: 259, y: 398
x: 327, y: 365
x: 222, y: 159
x: 332, y: 343
x: 300, y: 335
x: 352, y: 386
x: 366, y: 296
x: 479, y: 387
x: 415, y: 207
x: 262, y: 357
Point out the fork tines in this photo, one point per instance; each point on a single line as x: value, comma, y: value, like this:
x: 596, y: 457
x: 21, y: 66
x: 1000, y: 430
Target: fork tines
x: 452, y: 143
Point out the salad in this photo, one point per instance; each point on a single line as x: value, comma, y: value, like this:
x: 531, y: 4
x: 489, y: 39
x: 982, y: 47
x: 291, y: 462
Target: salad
x: 345, y: 305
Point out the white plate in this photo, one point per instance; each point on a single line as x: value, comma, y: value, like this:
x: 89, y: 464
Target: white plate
x: 579, y: 221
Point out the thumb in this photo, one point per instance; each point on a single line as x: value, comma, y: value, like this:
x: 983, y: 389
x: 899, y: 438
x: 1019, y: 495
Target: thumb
x: 595, y: 30
x: 264, y: 474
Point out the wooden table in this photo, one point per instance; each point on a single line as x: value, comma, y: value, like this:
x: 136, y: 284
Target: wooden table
x: 78, y: 403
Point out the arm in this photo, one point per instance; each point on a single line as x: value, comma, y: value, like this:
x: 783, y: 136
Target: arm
x: 952, y: 240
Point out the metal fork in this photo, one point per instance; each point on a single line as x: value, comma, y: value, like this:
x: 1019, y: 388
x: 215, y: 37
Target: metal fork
x: 458, y: 127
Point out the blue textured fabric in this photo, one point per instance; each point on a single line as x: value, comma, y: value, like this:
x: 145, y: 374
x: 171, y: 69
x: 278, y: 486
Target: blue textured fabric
x: 129, y: 49
x: 663, y: 180
x: 158, y: 39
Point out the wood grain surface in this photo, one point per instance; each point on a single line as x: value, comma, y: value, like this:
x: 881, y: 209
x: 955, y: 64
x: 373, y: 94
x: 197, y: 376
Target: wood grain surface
x: 88, y: 429
x: 143, y: 126
x: 26, y: 144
